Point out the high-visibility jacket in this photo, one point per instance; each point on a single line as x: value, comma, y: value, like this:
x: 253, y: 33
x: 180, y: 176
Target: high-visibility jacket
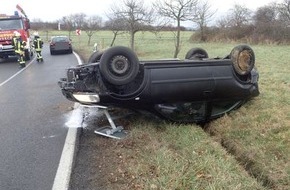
x: 14, y: 41
x: 19, y: 45
x: 38, y: 44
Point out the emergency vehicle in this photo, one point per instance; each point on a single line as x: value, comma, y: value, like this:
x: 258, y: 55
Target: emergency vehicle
x: 8, y: 25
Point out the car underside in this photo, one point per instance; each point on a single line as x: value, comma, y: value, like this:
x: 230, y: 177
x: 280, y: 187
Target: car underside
x: 196, y: 89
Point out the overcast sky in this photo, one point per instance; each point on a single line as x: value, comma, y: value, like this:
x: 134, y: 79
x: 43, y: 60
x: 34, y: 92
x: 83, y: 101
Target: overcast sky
x: 52, y: 10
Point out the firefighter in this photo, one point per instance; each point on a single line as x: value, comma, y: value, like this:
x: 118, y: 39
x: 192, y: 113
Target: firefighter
x: 14, y: 38
x: 38, y: 44
x: 19, y: 45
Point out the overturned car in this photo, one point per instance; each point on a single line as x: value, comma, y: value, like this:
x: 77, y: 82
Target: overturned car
x: 196, y: 89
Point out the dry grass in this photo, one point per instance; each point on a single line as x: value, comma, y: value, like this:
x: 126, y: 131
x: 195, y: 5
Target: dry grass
x: 157, y: 155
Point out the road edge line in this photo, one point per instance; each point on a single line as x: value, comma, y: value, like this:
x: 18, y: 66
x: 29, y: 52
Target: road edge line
x: 64, y: 170
x: 63, y: 174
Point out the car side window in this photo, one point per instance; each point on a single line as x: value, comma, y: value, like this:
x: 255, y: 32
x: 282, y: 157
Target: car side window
x: 183, y: 112
x: 220, y: 108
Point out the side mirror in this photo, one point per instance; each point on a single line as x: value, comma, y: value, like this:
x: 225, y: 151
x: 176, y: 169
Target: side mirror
x: 26, y: 24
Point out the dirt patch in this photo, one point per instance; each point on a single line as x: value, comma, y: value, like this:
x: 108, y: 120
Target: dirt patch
x: 100, y: 163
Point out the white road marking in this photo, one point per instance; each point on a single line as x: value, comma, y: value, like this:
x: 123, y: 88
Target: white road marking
x: 47, y: 137
x: 62, y: 177
x: 20, y: 71
x: 63, y: 174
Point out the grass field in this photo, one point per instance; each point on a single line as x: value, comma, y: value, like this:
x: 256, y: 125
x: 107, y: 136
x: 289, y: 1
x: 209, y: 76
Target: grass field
x: 246, y: 149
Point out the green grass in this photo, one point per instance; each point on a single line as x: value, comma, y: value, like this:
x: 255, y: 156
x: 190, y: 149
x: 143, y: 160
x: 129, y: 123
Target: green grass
x: 261, y: 128
x: 249, y: 148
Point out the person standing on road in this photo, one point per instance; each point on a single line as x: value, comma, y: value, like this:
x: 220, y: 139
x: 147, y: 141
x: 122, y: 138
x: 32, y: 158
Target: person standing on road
x: 38, y: 44
x: 19, y: 45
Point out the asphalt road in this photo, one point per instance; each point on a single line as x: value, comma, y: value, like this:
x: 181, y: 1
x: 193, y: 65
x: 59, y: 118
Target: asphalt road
x: 33, y: 113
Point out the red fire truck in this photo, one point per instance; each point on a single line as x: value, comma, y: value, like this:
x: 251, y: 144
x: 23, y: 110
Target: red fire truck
x: 10, y: 23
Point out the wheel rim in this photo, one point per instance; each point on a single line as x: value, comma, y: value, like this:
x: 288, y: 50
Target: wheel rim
x: 245, y: 60
x: 119, y: 65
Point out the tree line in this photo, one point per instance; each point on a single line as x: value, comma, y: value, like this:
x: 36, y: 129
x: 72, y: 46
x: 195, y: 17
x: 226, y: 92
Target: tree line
x: 269, y: 23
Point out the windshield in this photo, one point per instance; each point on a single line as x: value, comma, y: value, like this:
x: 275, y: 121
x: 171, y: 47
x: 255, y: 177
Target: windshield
x: 11, y: 24
x: 60, y: 39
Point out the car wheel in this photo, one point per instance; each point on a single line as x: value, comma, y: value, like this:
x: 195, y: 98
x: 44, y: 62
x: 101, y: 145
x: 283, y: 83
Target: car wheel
x: 196, y: 53
x: 95, y: 57
x: 119, y: 65
x: 243, y: 59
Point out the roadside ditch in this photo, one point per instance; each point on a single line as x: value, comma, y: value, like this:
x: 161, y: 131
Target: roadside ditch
x: 253, y: 168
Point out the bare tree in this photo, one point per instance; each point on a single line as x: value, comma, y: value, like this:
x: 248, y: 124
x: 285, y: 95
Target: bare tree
x: 264, y: 20
x: 284, y: 9
x: 202, y: 16
x: 79, y: 20
x: 117, y: 27
x: 68, y: 23
x: 239, y: 16
x: 135, y: 15
x: 74, y: 21
x: 176, y: 10
x: 284, y: 20
x: 237, y: 23
x: 91, y: 25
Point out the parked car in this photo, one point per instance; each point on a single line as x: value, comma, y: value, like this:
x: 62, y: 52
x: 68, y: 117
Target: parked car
x: 60, y: 44
x: 196, y: 89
